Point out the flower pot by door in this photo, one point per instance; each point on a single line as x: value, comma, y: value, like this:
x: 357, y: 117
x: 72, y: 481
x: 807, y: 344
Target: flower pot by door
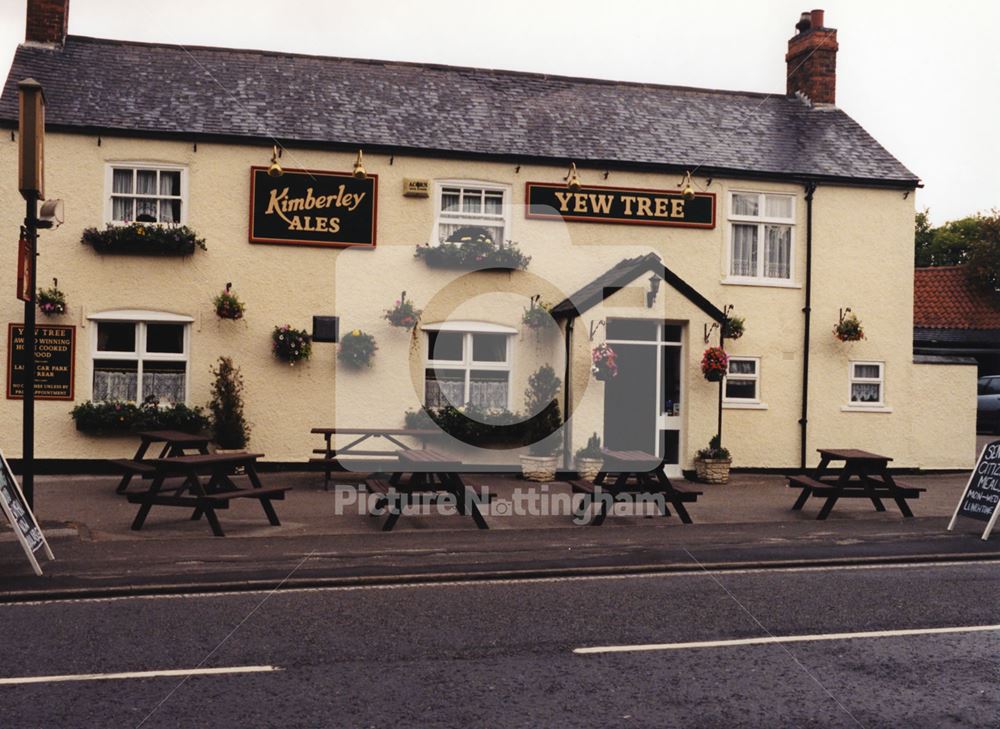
x: 539, y: 468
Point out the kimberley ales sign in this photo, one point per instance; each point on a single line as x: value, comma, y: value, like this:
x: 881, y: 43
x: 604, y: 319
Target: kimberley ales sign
x: 303, y: 207
x: 620, y: 205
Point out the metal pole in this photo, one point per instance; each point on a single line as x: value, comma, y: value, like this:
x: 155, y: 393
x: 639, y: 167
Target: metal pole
x: 28, y: 431
x: 722, y: 345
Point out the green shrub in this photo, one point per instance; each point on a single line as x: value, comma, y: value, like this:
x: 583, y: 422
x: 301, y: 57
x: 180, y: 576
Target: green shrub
x: 229, y: 426
x: 144, y: 239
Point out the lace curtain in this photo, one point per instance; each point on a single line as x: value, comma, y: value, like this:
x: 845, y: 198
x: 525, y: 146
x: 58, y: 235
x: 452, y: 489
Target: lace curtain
x: 167, y: 387
x: 744, y: 258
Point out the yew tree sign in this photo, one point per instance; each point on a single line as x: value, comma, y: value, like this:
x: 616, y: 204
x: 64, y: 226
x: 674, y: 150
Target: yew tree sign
x: 305, y: 207
x: 981, y: 498
x: 628, y: 205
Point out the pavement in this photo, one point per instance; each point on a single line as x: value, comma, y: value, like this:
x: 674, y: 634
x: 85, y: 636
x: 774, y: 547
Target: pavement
x: 326, y: 538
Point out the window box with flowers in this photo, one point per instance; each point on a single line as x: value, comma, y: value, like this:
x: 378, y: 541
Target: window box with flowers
x: 472, y: 248
x: 117, y: 417
x: 357, y: 349
x: 290, y: 345
x: 714, y: 364
x: 144, y: 240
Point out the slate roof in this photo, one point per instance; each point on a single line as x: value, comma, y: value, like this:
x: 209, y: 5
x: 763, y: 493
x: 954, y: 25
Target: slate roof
x: 944, y: 299
x: 157, y: 89
x: 622, y: 274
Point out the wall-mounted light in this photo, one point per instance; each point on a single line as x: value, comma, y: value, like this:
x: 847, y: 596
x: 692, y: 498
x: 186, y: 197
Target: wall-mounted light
x: 572, y: 178
x: 50, y: 214
x: 688, y: 186
x: 654, y: 289
x: 359, y: 167
x: 274, y: 169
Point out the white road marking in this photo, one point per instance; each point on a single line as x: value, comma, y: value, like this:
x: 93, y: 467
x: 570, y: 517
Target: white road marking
x: 783, y: 639
x: 137, y: 674
x: 638, y: 575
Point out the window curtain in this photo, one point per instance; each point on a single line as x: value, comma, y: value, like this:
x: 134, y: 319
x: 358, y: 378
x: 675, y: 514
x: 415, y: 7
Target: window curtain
x: 167, y: 387
x: 146, y: 210
x: 744, y: 258
x: 865, y: 392
x: 488, y: 394
x: 441, y: 393
x: 121, y: 183
x: 446, y: 230
x: 778, y: 251
x: 115, y: 385
x: 742, y: 367
x: 170, y: 185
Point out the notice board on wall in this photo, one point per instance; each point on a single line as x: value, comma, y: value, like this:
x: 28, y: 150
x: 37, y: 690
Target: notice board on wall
x: 55, y: 358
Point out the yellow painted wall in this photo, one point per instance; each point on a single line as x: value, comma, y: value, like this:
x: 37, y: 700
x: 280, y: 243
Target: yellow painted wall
x: 862, y: 259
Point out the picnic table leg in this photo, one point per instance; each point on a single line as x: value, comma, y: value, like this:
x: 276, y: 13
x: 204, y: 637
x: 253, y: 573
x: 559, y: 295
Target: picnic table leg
x: 866, y: 483
x: 265, y: 502
x: 146, y: 505
x: 395, y: 507
x: 803, y: 497
x: 904, y: 508
x: 827, y: 507
x: 466, y: 498
x: 213, y: 520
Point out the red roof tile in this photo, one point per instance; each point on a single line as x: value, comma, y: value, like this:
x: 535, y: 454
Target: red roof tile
x: 944, y: 299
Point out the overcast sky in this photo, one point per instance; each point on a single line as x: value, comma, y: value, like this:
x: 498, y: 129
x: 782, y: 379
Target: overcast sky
x: 923, y: 78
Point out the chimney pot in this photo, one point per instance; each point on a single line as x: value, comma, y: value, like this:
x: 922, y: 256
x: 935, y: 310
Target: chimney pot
x: 812, y: 60
x: 46, y: 21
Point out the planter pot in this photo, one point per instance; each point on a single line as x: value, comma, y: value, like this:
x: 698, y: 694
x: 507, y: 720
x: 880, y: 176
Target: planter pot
x: 714, y: 376
x: 539, y: 468
x: 237, y: 470
x: 588, y: 468
x: 713, y: 470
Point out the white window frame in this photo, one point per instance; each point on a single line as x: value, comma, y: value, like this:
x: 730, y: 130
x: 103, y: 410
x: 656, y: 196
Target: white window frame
x: 761, y: 221
x: 468, y: 218
x: 467, y: 364
x: 854, y: 380
x: 109, y: 168
x: 747, y: 402
x: 139, y: 355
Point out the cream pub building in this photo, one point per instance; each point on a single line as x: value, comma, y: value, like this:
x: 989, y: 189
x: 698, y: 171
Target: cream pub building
x: 794, y: 215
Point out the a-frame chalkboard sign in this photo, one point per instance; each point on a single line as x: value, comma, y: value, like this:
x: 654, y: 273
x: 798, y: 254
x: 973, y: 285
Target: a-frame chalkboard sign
x: 981, y: 498
x: 16, y: 509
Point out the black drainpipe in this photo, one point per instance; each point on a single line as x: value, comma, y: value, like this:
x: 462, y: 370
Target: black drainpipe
x: 567, y: 428
x: 807, y: 310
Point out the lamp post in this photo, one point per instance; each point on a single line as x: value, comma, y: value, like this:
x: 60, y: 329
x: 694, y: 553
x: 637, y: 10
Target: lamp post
x: 30, y: 183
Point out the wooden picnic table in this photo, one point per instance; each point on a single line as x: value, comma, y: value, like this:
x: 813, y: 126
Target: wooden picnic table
x: 331, y: 455
x: 864, y: 475
x: 205, y: 496
x: 633, y: 472
x: 430, y: 472
x: 175, y: 443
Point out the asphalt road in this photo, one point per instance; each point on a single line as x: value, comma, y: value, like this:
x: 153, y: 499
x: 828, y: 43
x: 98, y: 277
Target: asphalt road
x: 502, y: 654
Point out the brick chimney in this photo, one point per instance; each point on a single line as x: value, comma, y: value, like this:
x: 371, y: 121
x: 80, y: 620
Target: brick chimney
x: 47, y: 20
x: 812, y: 60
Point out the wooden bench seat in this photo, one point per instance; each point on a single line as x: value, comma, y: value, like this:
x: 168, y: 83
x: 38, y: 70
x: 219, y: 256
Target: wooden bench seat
x: 268, y: 492
x: 855, y: 488
x: 582, y: 486
x: 140, y: 468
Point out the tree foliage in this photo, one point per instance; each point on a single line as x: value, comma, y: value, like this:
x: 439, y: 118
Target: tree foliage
x: 973, y: 241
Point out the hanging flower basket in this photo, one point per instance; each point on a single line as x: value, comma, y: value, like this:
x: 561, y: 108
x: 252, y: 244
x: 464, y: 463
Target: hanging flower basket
x: 849, y: 329
x: 403, y: 314
x: 357, y: 349
x: 52, y: 302
x: 537, y: 316
x: 144, y: 239
x: 228, y: 305
x: 714, y: 364
x: 290, y: 345
x: 473, y: 248
x: 733, y: 327
x: 604, y: 364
